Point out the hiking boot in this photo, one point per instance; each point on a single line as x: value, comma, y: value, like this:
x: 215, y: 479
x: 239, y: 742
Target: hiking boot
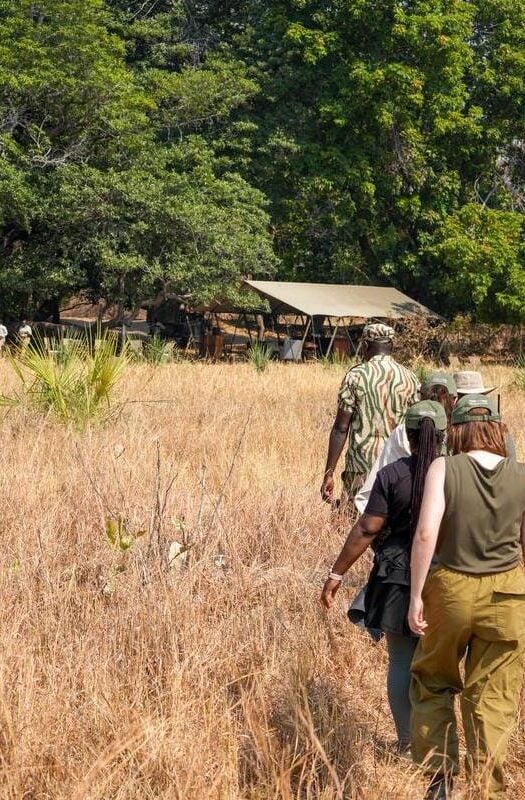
x: 403, y: 750
x: 440, y: 788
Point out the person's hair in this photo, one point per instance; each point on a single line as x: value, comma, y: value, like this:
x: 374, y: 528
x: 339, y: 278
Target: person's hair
x: 426, y: 441
x: 441, y: 395
x: 481, y: 435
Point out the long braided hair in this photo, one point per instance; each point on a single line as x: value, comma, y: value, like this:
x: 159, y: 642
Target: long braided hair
x: 427, y: 442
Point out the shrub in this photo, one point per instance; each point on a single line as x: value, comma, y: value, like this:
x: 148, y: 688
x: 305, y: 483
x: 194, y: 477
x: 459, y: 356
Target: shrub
x: 259, y: 356
x: 75, y: 385
x: 337, y: 360
x: 156, y: 350
x: 420, y: 370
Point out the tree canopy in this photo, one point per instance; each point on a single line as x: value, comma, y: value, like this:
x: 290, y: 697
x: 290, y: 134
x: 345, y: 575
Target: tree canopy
x: 183, y: 145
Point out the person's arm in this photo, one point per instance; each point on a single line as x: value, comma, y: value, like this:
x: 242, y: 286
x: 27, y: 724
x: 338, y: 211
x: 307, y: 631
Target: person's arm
x: 339, y: 434
x: 359, y: 538
x: 424, y: 543
x: 336, y: 443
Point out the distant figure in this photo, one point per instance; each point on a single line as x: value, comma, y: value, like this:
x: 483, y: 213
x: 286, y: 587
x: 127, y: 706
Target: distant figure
x: 373, y: 399
x: 3, y: 336
x: 156, y: 328
x: 25, y: 333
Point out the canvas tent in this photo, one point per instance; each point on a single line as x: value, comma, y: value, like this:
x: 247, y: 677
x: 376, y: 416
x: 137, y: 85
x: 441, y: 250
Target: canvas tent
x: 337, y: 301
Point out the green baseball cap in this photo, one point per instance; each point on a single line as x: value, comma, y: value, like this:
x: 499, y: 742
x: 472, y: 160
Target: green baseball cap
x: 426, y: 409
x: 440, y: 379
x: 462, y: 411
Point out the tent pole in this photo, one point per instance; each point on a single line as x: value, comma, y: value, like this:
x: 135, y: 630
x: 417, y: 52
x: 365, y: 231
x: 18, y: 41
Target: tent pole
x: 275, y: 318
x: 329, y: 350
x: 306, y: 331
x: 313, y: 335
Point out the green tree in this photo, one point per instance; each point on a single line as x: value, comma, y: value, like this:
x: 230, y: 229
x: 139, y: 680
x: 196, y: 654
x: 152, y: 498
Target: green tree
x: 376, y: 121
x: 145, y: 145
x: 105, y: 183
x: 166, y: 222
x: 476, y: 259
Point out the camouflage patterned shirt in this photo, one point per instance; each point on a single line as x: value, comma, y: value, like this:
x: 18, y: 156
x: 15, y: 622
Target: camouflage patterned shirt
x: 377, y: 394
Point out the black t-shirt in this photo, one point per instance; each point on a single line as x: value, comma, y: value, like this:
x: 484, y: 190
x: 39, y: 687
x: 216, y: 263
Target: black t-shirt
x: 391, y: 495
x: 388, y: 589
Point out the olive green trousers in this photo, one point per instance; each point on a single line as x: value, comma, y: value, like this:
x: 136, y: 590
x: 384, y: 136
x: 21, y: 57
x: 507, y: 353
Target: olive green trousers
x: 481, y: 619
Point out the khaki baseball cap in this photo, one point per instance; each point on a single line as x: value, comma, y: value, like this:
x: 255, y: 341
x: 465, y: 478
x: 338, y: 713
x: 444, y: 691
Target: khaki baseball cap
x: 426, y: 409
x: 462, y: 411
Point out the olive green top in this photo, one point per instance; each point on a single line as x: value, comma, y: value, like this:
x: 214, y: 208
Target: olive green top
x: 480, y: 530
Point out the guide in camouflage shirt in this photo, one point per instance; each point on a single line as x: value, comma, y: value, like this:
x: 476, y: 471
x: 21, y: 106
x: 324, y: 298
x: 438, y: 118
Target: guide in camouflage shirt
x: 373, y: 399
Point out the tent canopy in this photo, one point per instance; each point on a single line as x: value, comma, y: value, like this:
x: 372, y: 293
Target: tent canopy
x: 338, y: 300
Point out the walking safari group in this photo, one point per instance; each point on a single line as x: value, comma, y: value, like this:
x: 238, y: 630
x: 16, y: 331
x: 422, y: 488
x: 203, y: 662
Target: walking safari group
x: 431, y: 470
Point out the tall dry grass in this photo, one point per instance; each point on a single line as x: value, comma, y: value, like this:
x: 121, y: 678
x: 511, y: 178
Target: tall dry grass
x: 119, y: 679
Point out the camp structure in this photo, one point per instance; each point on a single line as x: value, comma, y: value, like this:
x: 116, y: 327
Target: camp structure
x: 295, y: 319
x: 338, y: 303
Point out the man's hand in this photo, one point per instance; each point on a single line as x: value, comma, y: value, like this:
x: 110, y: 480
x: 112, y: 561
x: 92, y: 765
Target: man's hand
x: 329, y: 592
x: 327, y: 489
x: 416, y: 618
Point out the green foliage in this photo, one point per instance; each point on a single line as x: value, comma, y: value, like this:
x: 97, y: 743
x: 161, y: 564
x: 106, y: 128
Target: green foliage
x: 519, y: 378
x: 377, y: 122
x: 336, y: 360
x: 118, y: 534
x: 259, y: 356
x: 421, y: 370
x: 106, y: 184
x: 76, y: 389
x: 477, y: 257
x: 183, y: 145
x: 156, y: 350
x: 68, y: 350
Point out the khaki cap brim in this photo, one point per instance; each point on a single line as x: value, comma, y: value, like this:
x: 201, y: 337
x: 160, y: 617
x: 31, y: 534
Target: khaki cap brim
x: 476, y: 391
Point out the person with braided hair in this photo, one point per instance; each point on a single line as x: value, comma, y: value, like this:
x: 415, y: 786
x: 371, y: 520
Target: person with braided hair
x: 392, y: 510
x: 438, y: 386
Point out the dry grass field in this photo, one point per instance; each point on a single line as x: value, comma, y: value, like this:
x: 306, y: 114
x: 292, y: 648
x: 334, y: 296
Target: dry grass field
x: 123, y: 680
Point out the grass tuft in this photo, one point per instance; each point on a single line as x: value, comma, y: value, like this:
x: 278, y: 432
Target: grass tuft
x: 259, y: 356
x: 74, y: 384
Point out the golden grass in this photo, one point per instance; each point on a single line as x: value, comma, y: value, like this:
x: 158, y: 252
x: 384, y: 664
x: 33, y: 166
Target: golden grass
x: 219, y: 681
